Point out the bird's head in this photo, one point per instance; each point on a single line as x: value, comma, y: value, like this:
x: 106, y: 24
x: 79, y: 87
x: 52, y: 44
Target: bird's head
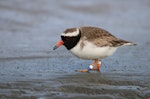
x: 69, y: 38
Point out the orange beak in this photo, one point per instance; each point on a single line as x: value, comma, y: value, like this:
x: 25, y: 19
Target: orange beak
x: 60, y: 43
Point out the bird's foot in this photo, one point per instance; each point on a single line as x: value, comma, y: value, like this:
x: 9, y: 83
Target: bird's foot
x: 83, y: 70
x: 97, y: 68
x: 91, y: 67
x: 86, y: 70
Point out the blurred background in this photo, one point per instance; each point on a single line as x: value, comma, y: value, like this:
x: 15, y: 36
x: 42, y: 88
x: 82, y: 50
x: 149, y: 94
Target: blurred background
x: 30, y: 28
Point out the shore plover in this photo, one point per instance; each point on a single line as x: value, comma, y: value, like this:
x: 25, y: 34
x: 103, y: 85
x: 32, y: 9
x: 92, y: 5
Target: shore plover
x: 90, y: 43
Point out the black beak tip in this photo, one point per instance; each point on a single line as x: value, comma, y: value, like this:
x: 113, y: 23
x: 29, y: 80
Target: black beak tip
x: 55, y: 47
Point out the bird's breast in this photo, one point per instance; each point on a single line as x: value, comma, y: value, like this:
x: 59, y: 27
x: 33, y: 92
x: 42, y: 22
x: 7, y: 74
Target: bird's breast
x: 87, y: 50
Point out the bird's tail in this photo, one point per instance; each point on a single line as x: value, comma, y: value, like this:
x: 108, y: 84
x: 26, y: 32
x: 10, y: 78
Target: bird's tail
x: 130, y: 44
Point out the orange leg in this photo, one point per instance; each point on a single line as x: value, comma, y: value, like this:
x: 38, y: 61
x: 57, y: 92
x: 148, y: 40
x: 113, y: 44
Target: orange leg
x: 83, y: 70
x: 95, y: 66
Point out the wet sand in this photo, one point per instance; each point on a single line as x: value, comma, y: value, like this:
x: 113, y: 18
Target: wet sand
x: 30, y: 69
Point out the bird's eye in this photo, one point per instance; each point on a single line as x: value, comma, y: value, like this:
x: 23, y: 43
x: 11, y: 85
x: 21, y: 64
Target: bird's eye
x: 67, y: 38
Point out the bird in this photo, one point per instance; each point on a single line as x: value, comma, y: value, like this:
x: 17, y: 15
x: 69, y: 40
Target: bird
x: 90, y: 43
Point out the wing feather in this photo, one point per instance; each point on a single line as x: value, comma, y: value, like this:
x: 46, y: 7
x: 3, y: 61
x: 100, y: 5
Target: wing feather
x: 101, y: 37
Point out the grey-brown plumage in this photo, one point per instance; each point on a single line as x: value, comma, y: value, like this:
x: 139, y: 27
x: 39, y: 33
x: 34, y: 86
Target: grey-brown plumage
x: 70, y: 30
x: 91, y: 43
x: 101, y: 37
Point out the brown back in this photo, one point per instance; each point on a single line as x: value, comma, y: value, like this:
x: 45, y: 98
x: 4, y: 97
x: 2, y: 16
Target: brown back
x: 101, y: 37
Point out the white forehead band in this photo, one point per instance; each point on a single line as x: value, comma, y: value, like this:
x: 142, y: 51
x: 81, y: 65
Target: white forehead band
x: 75, y: 33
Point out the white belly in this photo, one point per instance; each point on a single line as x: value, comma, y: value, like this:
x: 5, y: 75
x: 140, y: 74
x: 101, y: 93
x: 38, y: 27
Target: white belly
x: 91, y: 51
